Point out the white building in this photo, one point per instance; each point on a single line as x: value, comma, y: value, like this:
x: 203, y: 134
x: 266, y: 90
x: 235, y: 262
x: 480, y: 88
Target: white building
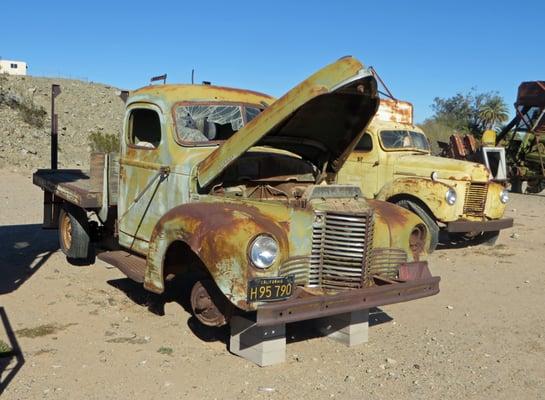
x: 13, y: 67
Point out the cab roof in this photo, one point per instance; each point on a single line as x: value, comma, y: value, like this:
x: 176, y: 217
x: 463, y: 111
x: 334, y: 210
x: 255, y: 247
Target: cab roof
x: 183, y: 92
x: 378, y: 125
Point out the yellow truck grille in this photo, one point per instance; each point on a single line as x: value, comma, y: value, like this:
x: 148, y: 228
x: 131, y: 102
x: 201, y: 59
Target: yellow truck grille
x: 475, y: 199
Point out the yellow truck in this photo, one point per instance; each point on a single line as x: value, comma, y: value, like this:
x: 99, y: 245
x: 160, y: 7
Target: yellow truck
x: 456, y: 199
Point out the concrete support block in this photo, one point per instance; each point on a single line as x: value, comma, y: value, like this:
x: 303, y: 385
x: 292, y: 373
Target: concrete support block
x: 350, y: 328
x: 261, y: 345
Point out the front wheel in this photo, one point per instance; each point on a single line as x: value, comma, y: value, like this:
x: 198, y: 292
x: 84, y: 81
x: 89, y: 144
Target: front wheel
x: 432, y: 226
x: 74, y: 236
x: 208, y: 304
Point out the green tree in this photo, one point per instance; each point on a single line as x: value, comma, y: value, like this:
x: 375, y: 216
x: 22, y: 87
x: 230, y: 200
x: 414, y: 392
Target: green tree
x: 470, y: 112
x: 494, y: 112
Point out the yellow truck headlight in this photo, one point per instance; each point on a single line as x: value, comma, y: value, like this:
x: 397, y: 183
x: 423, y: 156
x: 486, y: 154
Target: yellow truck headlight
x: 450, y: 196
x: 263, y: 251
x: 504, y: 196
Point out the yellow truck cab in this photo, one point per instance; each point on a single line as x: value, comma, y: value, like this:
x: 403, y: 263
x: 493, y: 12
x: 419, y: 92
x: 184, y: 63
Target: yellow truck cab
x: 456, y: 199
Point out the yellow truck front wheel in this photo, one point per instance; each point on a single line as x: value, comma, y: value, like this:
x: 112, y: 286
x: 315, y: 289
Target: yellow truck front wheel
x: 419, y: 210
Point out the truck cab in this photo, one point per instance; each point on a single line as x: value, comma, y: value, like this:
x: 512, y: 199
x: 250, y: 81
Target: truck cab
x: 227, y: 188
x: 393, y: 162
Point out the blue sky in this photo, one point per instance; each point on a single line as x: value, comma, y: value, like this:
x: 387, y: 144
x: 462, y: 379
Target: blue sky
x: 422, y: 49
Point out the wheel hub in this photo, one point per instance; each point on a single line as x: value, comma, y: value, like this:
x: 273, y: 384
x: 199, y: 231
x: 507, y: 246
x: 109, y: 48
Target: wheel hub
x: 203, y: 306
x: 66, y: 231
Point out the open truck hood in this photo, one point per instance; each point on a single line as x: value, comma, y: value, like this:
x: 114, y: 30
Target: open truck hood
x: 321, y: 120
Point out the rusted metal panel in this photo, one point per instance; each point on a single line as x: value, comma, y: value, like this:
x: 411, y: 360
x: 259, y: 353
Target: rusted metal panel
x: 531, y: 94
x: 395, y: 111
x: 480, y: 226
x: 96, y: 172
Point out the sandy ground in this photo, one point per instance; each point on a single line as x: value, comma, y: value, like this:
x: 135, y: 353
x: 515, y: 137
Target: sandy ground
x: 90, y: 333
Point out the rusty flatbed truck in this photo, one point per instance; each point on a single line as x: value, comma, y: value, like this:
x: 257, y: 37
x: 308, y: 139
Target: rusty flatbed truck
x: 227, y: 187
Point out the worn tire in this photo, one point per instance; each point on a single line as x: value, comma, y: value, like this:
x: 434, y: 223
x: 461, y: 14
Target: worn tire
x: 432, y: 226
x: 486, y: 238
x: 75, y: 237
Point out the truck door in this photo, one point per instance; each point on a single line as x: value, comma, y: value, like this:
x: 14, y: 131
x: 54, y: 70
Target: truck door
x: 143, y: 176
x: 363, y: 165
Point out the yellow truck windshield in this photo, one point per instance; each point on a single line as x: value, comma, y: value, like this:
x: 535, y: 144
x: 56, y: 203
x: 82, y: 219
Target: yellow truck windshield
x: 404, y: 140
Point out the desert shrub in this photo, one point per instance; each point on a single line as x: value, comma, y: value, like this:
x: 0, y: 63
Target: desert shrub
x: 31, y: 113
x: 103, y: 142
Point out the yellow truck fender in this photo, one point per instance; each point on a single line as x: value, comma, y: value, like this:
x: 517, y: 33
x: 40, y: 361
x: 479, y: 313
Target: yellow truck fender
x: 219, y: 234
x: 429, y: 192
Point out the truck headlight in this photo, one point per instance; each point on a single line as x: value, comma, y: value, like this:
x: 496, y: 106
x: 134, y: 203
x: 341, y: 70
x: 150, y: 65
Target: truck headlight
x: 263, y: 251
x: 450, y: 196
x: 504, y: 196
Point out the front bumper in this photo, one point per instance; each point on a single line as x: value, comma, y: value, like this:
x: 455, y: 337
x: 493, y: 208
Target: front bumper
x: 479, y: 226
x: 303, y: 305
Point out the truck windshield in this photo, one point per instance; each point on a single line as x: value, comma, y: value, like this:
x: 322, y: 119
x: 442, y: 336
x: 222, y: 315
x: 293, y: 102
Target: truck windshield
x: 404, y: 140
x: 204, y: 122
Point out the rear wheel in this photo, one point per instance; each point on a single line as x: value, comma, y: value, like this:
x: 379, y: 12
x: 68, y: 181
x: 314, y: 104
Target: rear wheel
x: 74, y: 236
x: 432, y: 226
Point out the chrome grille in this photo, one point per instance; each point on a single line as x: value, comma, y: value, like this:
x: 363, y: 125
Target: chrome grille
x: 475, y: 199
x: 297, y: 266
x: 386, y: 261
x: 339, y: 250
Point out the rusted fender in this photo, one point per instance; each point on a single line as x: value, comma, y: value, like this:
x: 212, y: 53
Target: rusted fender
x: 429, y: 192
x: 396, y: 225
x: 219, y: 234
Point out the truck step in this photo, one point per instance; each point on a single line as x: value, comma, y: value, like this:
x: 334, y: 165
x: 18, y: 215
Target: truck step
x: 130, y: 264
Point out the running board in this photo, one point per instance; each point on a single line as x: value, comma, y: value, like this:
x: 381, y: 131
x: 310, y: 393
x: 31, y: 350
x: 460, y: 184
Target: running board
x: 131, y: 265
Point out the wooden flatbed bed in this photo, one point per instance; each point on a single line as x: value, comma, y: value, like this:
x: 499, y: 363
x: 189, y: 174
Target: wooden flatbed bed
x: 83, y: 188
x: 73, y: 185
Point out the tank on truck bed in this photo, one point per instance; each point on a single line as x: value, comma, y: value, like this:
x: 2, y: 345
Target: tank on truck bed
x: 227, y: 189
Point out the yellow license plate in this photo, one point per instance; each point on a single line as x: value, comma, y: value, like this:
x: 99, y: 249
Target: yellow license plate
x: 270, y: 289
